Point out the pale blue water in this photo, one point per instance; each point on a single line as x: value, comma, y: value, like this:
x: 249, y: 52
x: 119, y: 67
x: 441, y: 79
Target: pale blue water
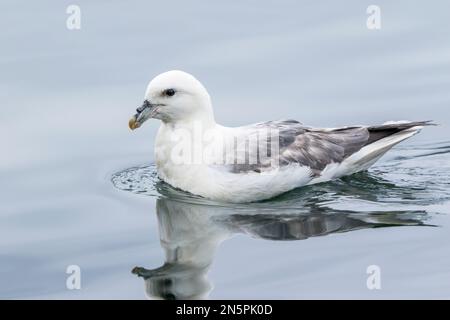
x: 77, y: 187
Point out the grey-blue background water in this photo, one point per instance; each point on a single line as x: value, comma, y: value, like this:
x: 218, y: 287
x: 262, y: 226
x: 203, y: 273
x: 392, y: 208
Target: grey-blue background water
x: 66, y: 97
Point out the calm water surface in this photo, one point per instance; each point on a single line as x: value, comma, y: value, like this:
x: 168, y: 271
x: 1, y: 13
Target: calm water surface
x: 78, y: 188
x: 408, y: 190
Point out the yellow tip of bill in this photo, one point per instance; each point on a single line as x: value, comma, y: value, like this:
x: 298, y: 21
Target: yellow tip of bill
x: 133, y: 124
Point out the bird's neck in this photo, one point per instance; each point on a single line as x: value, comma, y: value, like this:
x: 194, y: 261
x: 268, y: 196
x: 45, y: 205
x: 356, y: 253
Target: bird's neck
x: 190, y: 125
x: 198, y: 121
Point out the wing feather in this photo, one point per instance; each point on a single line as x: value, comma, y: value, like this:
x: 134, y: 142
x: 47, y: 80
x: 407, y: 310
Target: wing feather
x: 316, y: 148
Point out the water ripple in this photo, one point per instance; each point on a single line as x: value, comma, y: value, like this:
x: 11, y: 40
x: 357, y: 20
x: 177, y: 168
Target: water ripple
x: 410, y: 177
x: 404, y: 190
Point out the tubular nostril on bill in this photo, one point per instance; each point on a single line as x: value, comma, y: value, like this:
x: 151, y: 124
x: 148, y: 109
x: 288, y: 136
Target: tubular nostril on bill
x: 144, y: 105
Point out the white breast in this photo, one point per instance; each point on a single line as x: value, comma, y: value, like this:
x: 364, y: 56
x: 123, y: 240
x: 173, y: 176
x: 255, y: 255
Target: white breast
x: 176, y: 164
x: 213, y: 181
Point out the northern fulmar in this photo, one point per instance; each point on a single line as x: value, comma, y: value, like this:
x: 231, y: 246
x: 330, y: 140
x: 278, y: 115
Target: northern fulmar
x: 253, y: 162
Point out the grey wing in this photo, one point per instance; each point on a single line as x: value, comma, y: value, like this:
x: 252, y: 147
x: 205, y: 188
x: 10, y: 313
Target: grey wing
x: 306, y: 146
x: 316, y: 148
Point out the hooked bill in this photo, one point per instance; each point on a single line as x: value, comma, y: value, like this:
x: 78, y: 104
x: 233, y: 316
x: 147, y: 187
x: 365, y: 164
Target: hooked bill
x: 133, y: 124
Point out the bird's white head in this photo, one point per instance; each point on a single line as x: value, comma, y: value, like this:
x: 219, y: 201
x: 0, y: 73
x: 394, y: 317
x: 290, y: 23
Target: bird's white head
x: 174, y: 96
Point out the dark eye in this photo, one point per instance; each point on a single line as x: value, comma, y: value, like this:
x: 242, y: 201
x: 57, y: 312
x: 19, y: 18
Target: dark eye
x: 169, y: 92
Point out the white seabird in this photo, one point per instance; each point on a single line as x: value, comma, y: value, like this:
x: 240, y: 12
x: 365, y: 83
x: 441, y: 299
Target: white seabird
x: 190, y: 151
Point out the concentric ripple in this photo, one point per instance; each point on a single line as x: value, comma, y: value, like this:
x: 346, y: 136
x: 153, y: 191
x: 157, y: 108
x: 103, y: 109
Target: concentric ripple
x: 407, y: 189
x: 411, y: 179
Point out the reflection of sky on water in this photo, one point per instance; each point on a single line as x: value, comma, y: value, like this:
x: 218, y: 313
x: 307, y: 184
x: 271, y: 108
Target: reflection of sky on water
x: 66, y: 97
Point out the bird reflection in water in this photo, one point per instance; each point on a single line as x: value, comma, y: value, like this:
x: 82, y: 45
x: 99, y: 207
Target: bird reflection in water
x: 191, y: 231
